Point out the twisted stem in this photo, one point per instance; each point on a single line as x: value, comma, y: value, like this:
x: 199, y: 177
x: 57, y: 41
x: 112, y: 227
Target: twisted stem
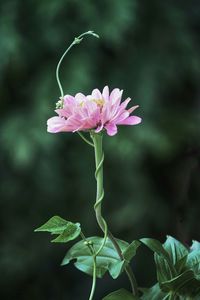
x: 99, y: 159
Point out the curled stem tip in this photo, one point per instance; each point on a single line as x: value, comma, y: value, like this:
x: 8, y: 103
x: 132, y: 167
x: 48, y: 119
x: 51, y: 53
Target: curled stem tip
x: 76, y: 41
x: 93, y: 33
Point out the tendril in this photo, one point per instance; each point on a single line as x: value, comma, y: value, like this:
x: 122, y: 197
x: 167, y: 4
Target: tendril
x: 76, y: 41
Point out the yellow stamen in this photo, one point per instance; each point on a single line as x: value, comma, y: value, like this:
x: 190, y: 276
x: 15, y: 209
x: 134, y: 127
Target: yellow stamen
x: 99, y: 102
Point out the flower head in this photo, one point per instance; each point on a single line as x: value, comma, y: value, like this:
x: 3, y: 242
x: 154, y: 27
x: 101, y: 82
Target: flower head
x: 97, y: 111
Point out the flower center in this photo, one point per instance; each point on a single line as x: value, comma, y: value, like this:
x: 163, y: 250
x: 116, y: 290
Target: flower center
x: 99, y: 102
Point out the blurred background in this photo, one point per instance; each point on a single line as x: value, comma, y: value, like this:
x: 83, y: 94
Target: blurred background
x: 151, y: 50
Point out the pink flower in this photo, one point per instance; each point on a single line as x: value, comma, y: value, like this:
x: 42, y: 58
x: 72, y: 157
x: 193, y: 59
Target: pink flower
x: 97, y: 111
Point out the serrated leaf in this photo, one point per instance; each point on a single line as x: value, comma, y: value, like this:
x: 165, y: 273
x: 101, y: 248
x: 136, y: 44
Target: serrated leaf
x: 107, y: 259
x: 121, y: 294
x: 176, y: 250
x: 66, y: 230
x: 131, y: 250
x: 153, y: 293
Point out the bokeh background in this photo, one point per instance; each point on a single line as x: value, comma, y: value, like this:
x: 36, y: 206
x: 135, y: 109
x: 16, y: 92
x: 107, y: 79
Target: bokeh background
x: 151, y: 50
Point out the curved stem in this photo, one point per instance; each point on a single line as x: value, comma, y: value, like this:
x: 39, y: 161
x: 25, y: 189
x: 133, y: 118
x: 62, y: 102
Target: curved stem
x: 94, y: 255
x: 76, y: 41
x: 58, y: 68
x: 85, y: 139
x: 99, y: 158
x: 128, y: 269
x: 94, y: 278
x: 87, y: 243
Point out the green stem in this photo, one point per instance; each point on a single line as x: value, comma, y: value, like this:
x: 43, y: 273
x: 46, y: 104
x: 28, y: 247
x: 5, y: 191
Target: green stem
x: 171, y: 296
x: 85, y: 139
x: 87, y: 243
x: 76, y: 41
x: 94, y: 278
x: 94, y: 255
x: 99, y: 158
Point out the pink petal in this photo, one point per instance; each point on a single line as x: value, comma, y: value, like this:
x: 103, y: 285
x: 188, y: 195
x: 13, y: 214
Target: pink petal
x: 111, y: 129
x: 68, y: 99
x: 117, y: 111
x: 99, y: 128
x: 132, y: 120
x: 130, y: 110
x: 80, y: 97
x: 125, y: 103
x: 96, y: 94
x: 115, y: 95
x: 56, y: 124
x: 90, y: 107
x: 105, y: 93
x: 120, y: 118
x: 62, y: 112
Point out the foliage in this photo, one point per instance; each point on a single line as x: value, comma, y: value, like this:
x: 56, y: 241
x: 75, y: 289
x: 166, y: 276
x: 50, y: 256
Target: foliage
x: 120, y: 294
x: 66, y: 231
x: 151, y: 50
x: 107, y: 259
x: 178, y: 269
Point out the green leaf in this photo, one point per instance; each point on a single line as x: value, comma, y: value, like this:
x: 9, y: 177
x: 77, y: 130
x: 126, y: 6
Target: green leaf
x: 162, y: 269
x: 197, y: 297
x: 117, y: 268
x: 177, y: 282
x: 121, y: 294
x: 54, y: 225
x: 176, y: 250
x: 193, y: 261
x: 131, y: 250
x: 66, y: 230
x: 158, y: 248
x: 107, y: 259
x: 181, y: 264
x: 153, y: 293
x: 195, y: 246
x: 185, y: 284
x: 71, y: 232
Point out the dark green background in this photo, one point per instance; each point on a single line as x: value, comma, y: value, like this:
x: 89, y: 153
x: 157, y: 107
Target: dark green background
x: 150, y: 49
